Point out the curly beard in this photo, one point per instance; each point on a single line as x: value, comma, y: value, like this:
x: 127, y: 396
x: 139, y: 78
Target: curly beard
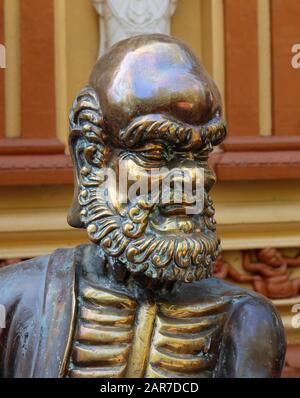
x: 131, y: 239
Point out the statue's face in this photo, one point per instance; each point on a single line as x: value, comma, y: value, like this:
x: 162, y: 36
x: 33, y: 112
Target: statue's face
x: 144, y: 185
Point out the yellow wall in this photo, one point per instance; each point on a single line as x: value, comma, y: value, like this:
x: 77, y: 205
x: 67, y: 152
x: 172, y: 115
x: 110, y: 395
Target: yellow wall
x: 76, y: 49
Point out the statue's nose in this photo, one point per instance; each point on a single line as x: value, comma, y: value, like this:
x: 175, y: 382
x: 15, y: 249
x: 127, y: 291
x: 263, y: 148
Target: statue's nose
x: 184, y: 172
x: 189, y: 171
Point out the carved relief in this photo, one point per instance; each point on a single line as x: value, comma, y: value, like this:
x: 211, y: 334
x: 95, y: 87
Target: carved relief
x: 9, y: 261
x: 272, y: 268
x: 224, y: 270
x: 268, y: 271
x: 120, y: 19
x: 292, y: 362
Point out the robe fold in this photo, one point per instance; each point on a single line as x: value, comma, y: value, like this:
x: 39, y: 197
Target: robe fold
x: 38, y: 297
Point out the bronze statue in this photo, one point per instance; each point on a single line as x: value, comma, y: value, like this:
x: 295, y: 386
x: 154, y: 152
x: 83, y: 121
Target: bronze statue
x: 139, y: 301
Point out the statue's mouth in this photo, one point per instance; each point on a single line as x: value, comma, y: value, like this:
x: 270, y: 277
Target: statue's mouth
x: 175, y: 209
x: 174, y: 225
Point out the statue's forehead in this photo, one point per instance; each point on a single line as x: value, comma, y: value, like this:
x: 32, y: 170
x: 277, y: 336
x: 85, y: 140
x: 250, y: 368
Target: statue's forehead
x: 154, y: 74
x: 151, y: 67
x: 160, y: 77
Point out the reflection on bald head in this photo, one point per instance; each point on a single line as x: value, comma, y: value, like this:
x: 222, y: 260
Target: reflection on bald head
x: 153, y: 74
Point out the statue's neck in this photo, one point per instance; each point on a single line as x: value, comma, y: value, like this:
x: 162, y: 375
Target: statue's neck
x: 118, y: 272
x: 95, y: 265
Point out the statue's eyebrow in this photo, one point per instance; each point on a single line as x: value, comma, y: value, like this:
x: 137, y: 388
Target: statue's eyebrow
x: 163, y: 140
x: 154, y: 128
x: 159, y: 127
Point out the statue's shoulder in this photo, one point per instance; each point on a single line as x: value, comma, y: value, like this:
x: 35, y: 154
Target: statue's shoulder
x: 244, y: 303
x: 28, y: 291
x: 253, y: 339
x: 30, y: 277
x: 31, y: 267
x: 253, y: 335
x: 215, y: 287
x: 17, y: 280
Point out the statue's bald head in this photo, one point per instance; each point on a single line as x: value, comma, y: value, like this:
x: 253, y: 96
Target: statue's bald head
x: 153, y: 74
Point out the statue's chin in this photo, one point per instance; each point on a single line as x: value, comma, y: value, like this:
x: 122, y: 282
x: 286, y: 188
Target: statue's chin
x: 174, y: 258
x: 184, y: 258
x: 179, y: 247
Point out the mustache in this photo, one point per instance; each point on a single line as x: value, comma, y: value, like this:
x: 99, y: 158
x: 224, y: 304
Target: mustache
x: 135, y: 216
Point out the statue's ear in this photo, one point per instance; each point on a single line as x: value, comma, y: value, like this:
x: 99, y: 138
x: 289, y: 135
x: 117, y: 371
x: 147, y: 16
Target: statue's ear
x: 74, y: 218
x: 86, y: 142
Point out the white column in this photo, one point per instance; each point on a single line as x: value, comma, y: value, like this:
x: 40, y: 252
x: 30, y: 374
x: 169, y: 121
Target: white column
x: 120, y: 19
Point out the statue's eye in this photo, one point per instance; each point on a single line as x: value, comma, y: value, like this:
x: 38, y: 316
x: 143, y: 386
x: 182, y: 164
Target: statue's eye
x: 158, y: 153
x: 155, y: 154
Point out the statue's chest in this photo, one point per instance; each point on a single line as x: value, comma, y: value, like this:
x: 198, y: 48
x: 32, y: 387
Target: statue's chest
x: 117, y: 337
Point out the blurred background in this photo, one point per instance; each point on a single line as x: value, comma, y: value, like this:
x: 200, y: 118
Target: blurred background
x: 252, y: 50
